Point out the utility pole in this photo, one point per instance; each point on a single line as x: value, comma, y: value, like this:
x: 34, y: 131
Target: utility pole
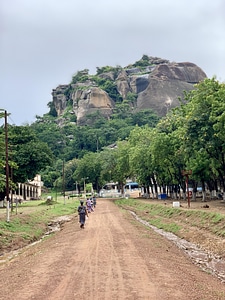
x: 11, y: 194
x: 11, y: 177
x: 63, y: 181
x: 7, y: 167
x: 6, y: 164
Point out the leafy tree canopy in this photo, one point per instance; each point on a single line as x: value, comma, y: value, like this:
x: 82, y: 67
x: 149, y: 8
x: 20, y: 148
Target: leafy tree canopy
x: 30, y: 154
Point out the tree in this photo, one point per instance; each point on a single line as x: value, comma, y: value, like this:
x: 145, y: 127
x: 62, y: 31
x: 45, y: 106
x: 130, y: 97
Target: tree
x: 80, y: 76
x: 107, y: 69
x: 145, y: 117
x: 121, y: 169
x: 108, y: 164
x: 172, y: 151
x: 122, y: 110
x: 70, y: 168
x: 30, y: 155
x: 140, y: 157
x: 88, y: 169
x: 205, y: 128
x: 52, y: 110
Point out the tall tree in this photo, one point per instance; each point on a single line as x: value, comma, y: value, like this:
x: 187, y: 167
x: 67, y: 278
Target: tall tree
x: 205, y: 128
x: 122, y: 168
x: 140, y: 157
x: 88, y: 170
x: 30, y: 155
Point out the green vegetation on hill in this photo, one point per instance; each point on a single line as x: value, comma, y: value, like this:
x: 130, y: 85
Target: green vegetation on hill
x: 136, y: 145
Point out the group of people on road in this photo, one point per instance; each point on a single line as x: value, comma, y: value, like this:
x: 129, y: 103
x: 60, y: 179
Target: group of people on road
x: 85, y: 210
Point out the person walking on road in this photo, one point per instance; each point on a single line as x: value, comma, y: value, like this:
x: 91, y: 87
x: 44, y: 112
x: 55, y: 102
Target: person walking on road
x: 82, y: 211
x: 89, y: 206
x: 94, y: 201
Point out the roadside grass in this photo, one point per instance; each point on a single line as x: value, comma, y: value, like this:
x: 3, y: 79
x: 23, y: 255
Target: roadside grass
x: 29, y: 222
x: 173, y: 219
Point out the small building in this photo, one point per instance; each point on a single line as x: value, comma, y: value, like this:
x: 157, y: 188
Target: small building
x: 29, y: 190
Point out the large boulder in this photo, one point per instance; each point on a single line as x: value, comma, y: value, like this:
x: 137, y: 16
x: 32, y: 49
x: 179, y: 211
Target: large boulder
x: 122, y: 83
x: 86, y: 102
x: 162, y: 95
x: 185, y: 71
x: 139, y: 83
x: 167, y: 83
x: 59, y: 98
x: 157, y: 83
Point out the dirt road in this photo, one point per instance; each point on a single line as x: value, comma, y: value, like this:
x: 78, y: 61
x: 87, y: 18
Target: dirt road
x: 114, y: 257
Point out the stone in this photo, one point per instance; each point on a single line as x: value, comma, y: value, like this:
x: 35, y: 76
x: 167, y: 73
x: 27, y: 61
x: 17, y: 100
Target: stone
x: 59, y: 98
x: 91, y: 100
x: 158, y: 86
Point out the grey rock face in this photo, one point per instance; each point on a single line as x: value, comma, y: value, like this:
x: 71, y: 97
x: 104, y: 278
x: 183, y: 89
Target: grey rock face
x: 89, y: 101
x: 123, y: 84
x: 158, y: 86
x: 59, y: 99
x: 167, y: 84
x: 162, y: 95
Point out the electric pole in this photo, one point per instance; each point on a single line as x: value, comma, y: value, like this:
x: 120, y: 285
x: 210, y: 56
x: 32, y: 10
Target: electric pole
x: 7, y: 167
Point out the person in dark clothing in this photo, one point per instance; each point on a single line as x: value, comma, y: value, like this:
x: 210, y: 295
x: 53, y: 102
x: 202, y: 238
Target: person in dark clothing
x: 94, y: 201
x: 82, y: 211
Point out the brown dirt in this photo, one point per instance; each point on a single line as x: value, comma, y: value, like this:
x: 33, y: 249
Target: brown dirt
x: 114, y: 257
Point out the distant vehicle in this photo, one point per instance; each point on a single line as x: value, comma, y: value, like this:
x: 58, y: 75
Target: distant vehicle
x: 199, y: 189
x: 131, y: 186
x: 110, y: 186
x: 110, y: 190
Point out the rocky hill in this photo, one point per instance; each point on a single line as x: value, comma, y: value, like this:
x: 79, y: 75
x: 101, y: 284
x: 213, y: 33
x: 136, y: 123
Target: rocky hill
x: 150, y: 83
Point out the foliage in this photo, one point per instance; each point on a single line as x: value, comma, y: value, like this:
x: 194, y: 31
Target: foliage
x: 163, y: 217
x: 143, y: 62
x: 80, y: 76
x: 131, y: 97
x: 68, y: 91
x: 122, y: 111
x: 88, y: 169
x: 108, y: 69
x: 145, y: 117
x: 122, y: 169
x: 32, y: 224
x: 189, y: 137
x: 130, y: 144
x: 30, y: 154
x: 52, y: 110
x: 110, y: 87
x: 203, y: 130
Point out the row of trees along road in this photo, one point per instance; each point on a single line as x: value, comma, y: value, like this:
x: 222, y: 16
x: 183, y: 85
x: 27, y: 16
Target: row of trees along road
x: 190, y: 137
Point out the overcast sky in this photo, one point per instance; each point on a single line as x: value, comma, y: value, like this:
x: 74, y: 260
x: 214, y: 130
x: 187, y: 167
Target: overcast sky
x: 43, y: 43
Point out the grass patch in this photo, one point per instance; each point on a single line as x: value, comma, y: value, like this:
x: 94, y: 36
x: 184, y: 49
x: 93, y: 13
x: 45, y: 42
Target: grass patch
x: 171, y: 227
x: 167, y: 218
x: 30, y: 221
